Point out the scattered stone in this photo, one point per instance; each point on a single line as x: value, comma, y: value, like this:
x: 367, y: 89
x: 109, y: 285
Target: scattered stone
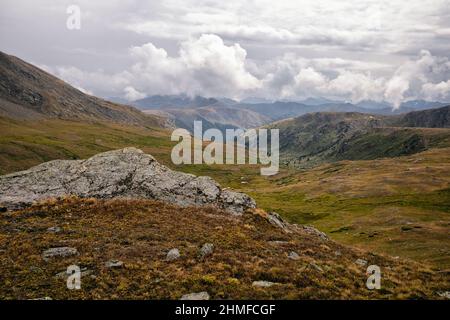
x: 361, y: 262
x: 262, y: 284
x: 54, y: 229
x: 445, y: 294
x: 206, y: 250
x: 315, y: 266
x: 314, y: 231
x: 337, y: 253
x: 196, y: 296
x: 278, y: 242
x: 59, y: 252
x: 173, y: 254
x: 35, y: 269
x: 275, y: 219
x: 114, y: 264
x: 293, y: 255
x: 127, y: 172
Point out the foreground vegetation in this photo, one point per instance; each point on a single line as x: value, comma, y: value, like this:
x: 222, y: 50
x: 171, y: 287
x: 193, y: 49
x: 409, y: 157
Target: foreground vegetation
x: 140, y: 233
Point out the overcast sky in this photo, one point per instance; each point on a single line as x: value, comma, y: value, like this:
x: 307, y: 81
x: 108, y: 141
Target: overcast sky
x: 391, y: 50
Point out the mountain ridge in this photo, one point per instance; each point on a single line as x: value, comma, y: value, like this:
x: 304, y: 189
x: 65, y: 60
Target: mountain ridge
x: 320, y: 137
x: 27, y: 92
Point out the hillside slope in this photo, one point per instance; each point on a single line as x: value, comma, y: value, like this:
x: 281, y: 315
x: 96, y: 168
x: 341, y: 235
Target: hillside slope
x: 27, y: 92
x: 432, y: 118
x: 122, y: 248
x: 219, y: 117
x: 159, y: 102
x: 317, y: 138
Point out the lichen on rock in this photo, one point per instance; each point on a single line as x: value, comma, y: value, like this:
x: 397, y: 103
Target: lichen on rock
x: 126, y: 173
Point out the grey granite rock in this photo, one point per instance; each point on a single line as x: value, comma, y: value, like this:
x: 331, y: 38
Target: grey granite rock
x: 127, y: 173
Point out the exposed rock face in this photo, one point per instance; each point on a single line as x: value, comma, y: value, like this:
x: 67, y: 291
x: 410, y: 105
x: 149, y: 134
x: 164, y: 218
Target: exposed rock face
x: 120, y: 173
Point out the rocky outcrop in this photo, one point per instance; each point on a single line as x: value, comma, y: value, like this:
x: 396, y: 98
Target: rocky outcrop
x: 127, y: 173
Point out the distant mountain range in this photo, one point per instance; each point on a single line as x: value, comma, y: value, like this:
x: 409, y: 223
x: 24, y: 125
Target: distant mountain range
x: 213, y: 117
x: 254, y: 112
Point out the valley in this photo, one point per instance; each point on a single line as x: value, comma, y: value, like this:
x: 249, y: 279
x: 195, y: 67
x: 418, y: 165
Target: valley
x: 398, y: 206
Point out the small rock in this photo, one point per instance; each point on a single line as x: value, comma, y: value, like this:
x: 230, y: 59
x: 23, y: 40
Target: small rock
x: 206, y: 250
x: 315, y: 266
x: 196, y: 296
x: 293, y: 255
x: 278, y: 242
x: 262, y: 284
x: 54, y: 229
x: 313, y: 231
x: 35, y: 269
x: 337, y: 253
x: 59, y: 252
x: 275, y: 219
x: 43, y: 298
x: 173, y: 254
x: 361, y: 262
x: 445, y: 294
x: 114, y: 264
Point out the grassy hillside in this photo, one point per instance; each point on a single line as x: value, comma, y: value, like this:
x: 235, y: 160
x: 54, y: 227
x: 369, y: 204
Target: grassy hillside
x: 24, y: 144
x: 398, y: 206
x: 140, y: 233
x: 318, y: 138
x: 433, y: 118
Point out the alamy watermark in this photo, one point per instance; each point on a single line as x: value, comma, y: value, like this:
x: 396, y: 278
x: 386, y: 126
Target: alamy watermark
x: 73, y: 22
x: 73, y: 277
x: 252, y: 146
x: 374, y: 279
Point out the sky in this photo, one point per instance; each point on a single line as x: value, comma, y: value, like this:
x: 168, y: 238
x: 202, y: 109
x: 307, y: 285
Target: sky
x: 351, y: 50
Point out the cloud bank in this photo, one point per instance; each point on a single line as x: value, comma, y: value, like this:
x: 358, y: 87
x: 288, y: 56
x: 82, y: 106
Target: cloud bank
x: 207, y: 66
x: 289, y: 49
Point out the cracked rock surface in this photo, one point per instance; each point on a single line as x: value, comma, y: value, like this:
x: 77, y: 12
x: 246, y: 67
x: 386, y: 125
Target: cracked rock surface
x: 127, y: 173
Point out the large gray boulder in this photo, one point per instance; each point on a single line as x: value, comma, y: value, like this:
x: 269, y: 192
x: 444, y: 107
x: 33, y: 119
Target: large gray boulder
x: 127, y: 173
